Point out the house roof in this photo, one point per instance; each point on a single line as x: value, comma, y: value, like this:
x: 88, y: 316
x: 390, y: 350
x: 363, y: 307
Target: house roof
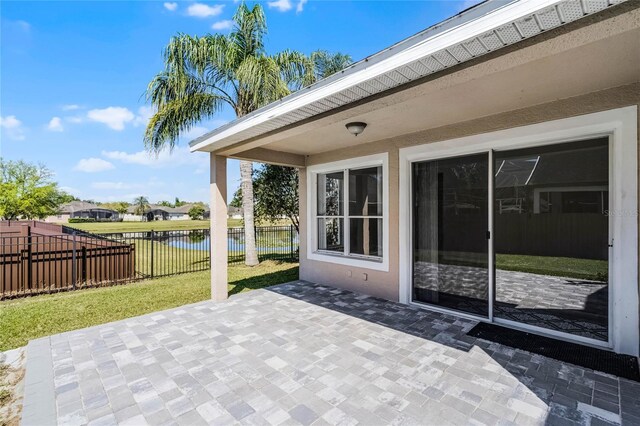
x: 484, y: 28
x: 75, y: 206
x: 132, y: 209
x: 186, y: 207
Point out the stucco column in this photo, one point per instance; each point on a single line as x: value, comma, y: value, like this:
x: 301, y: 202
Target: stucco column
x: 218, y: 241
x: 302, y: 206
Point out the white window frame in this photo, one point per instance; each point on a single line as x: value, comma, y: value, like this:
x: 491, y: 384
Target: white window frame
x: 359, y: 261
x: 620, y: 126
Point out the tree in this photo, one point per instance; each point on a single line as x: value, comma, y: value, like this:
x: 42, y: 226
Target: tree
x: 119, y: 206
x: 196, y: 212
x: 165, y: 203
x: 276, y: 194
x: 179, y: 203
x: 203, y: 74
x: 67, y: 198
x: 141, y: 205
x: 326, y: 63
x: 27, y: 191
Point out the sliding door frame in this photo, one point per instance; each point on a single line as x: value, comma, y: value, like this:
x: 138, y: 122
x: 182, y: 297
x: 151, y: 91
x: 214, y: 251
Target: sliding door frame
x: 620, y: 126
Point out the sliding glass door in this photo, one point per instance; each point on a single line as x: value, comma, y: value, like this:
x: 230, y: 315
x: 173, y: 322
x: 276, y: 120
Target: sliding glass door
x: 550, y: 236
x: 450, y: 250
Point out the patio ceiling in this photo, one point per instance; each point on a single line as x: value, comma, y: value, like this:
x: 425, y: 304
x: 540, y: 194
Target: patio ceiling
x: 312, y: 121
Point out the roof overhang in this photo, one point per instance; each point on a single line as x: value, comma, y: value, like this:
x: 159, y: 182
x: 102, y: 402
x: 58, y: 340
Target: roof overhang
x: 475, y: 32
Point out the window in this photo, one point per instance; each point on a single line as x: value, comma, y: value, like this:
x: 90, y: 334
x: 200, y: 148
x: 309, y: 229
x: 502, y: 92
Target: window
x: 349, y: 212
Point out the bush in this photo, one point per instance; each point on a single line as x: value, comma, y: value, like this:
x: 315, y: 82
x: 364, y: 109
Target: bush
x: 196, y: 212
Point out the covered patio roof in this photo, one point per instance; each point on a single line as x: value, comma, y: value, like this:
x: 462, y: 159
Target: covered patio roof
x: 374, y: 90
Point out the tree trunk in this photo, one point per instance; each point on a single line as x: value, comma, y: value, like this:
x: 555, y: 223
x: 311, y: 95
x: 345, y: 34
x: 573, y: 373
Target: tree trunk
x: 246, y: 175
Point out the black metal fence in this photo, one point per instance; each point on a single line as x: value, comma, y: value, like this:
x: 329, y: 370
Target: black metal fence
x: 77, y: 259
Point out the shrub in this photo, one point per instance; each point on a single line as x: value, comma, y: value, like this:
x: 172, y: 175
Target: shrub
x: 81, y: 220
x: 196, y: 212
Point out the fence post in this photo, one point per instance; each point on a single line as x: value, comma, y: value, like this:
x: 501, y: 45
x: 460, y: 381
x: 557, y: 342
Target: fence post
x: 291, y: 240
x: 29, y: 257
x: 152, y: 239
x: 84, y: 265
x: 74, y: 264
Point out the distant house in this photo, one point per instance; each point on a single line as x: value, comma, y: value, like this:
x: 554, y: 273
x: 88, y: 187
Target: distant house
x: 182, y: 212
x: 234, y: 213
x: 82, y: 209
x: 158, y: 212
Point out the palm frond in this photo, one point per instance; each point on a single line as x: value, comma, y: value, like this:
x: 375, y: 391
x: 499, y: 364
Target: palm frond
x: 297, y: 69
x: 178, y: 116
x: 327, y: 63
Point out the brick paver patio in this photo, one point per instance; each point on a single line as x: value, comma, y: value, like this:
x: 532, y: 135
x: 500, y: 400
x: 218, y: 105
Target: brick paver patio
x: 300, y: 353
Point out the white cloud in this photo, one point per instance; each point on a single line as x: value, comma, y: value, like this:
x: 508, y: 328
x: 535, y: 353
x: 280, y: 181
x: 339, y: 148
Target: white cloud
x: 300, y: 6
x: 114, y: 117
x: 70, y: 107
x: 201, y: 10
x: 10, y: 122
x: 179, y: 157
x: 19, y: 25
x: 13, y: 127
x: 74, y: 119
x: 92, y: 165
x: 55, y: 125
x: 24, y: 25
x: 222, y: 25
x: 170, y: 6
x: 144, y: 115
x: 281, y: 5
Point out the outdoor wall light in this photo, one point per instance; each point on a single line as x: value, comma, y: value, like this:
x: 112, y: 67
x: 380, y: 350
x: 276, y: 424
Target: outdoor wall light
x: 356, y: 127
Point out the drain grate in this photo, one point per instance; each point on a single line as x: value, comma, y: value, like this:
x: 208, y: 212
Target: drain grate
x: 596, y: 359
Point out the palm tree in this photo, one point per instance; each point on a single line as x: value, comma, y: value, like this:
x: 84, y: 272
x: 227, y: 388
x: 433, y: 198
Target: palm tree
x: 141, y: 205
x: 203, y: 74
x: 326, y: 63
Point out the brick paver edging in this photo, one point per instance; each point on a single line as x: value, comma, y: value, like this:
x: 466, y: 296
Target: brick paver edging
x: 39, y: 400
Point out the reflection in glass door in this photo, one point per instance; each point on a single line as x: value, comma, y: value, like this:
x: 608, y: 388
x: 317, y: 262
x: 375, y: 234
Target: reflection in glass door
x: 551, y: 237
x: 450, y: 222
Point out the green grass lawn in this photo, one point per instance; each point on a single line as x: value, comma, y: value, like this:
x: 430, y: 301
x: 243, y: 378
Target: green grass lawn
x: 569, y: 267
x: 158, y: 225
x: 29, y: 318
x: 168, y: 259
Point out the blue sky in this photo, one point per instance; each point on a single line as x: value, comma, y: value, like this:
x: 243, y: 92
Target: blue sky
x: 73, y: 76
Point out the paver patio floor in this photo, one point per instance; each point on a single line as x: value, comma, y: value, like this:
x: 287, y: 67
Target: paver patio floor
x: 301, y: 353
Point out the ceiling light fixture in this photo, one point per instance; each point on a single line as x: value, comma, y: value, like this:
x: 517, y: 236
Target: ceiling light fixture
x: 356, y: 127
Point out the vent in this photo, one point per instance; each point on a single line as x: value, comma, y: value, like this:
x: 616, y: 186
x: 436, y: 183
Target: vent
x: 571, y: 10
x: 475, y: 47
x: 549, y: 18
x: 508, y: 34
